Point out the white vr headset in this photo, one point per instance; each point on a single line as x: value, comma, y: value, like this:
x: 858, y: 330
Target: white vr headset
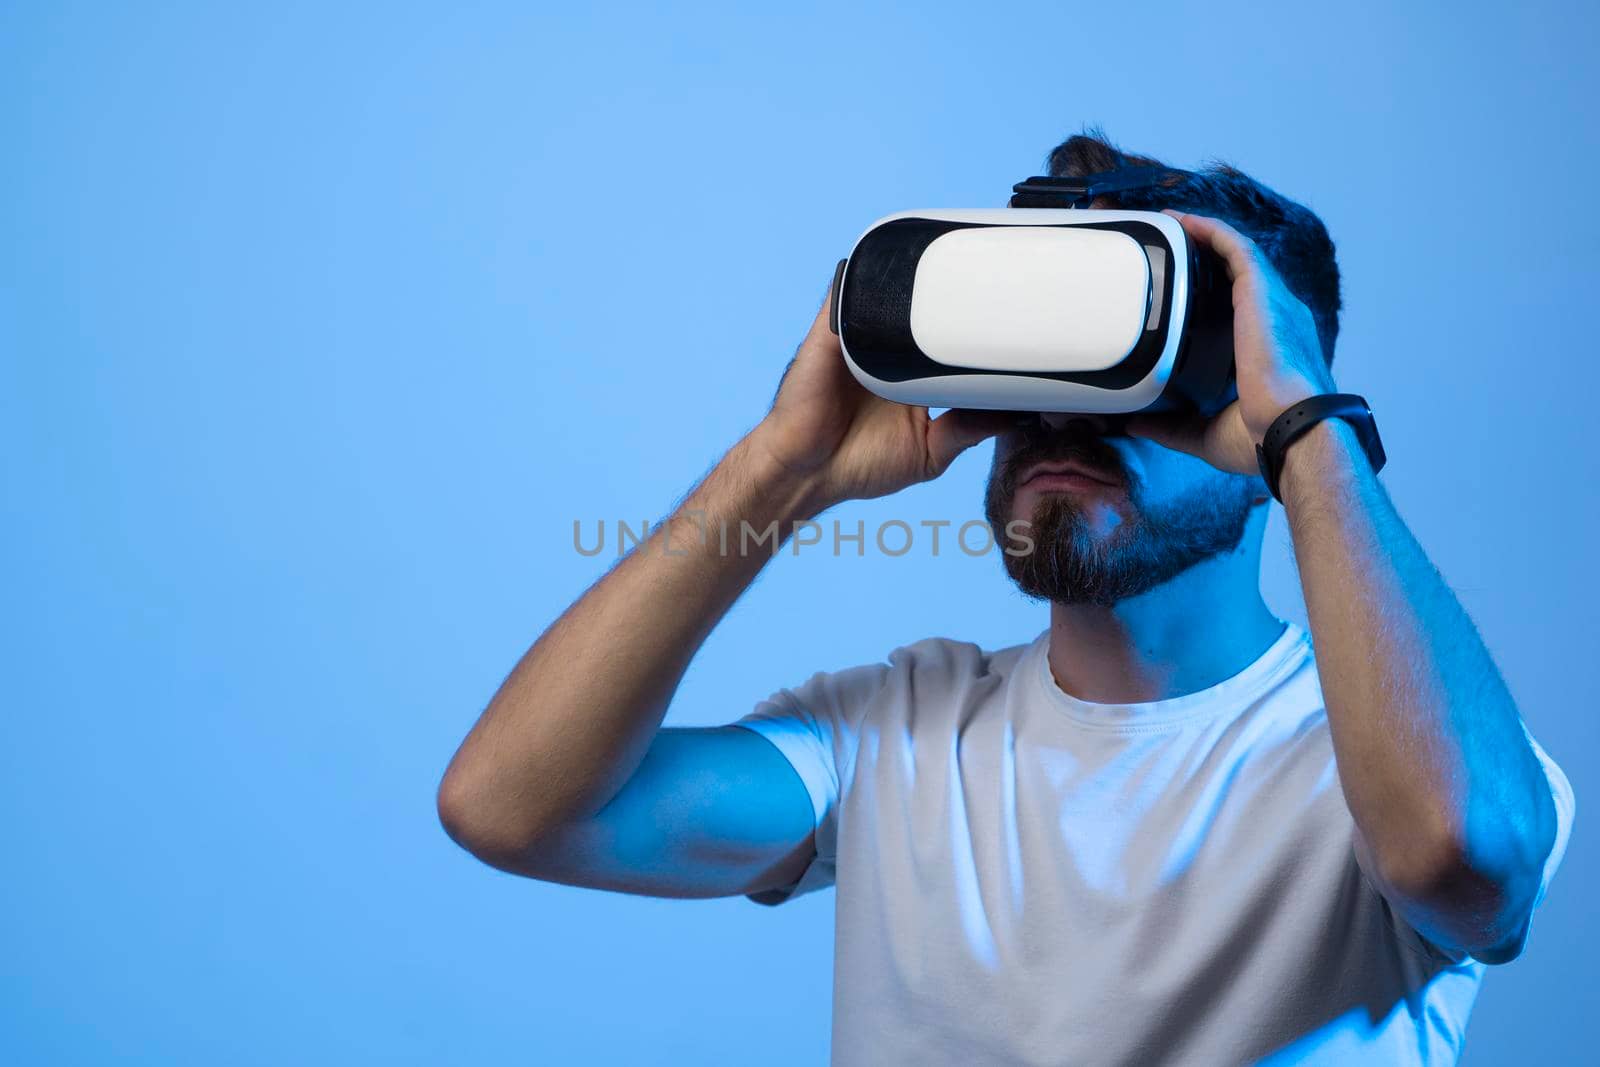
x: 1042, y: 306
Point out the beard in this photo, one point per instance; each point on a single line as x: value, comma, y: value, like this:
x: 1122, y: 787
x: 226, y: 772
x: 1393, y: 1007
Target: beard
x: 1071, y: 564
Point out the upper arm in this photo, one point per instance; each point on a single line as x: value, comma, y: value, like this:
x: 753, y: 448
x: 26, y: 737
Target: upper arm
x: 710, y: 812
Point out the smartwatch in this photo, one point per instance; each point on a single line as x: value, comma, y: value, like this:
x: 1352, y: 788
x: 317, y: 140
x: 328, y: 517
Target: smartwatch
x: 1306, y: 414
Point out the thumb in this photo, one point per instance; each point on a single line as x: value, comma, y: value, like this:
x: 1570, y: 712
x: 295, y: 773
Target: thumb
x: 959, y: 429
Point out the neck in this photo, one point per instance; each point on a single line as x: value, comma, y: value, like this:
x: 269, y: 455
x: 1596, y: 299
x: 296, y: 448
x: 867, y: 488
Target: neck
x: 1201, y: 628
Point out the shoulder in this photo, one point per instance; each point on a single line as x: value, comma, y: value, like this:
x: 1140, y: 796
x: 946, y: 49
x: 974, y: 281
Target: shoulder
x: 930, y: 668
x: 945, y: 656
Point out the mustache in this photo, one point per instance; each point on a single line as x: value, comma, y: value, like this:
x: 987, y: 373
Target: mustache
x: 1044, y: 445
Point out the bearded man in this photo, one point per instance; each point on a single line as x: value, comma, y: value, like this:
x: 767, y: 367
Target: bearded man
x: 1173, y: 829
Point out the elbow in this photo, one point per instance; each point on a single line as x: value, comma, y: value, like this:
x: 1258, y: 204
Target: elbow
x: 500, y: 834
x: 455, y: 809
x: 1478, y: 876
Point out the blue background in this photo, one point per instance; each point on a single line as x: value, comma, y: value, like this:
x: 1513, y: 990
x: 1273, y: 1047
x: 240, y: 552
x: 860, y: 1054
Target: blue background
x: 319, y: 326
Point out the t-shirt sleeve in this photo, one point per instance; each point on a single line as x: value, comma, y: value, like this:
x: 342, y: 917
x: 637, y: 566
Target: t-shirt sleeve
x: 1566, y: 808
x: 815, y: 726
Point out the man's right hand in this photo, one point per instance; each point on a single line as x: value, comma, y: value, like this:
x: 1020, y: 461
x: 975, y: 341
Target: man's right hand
x: 846, y: 443
x: 532, y: 787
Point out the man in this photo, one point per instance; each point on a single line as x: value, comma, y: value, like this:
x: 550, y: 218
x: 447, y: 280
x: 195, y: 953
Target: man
x: 1163, y: 832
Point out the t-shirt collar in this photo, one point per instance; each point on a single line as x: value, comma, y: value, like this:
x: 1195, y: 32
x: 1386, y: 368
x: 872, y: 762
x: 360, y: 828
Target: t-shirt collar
x: 1231, y: 694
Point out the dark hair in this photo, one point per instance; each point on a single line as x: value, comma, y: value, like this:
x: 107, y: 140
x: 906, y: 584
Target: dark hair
x: 1291, y: 236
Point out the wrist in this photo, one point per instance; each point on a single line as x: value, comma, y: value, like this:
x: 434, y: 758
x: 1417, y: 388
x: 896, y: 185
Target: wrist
x: 752, y: 483
x: 744, y: 510
x: 740, y: 513
x: 1325, y: 457
x: 1277, y: 399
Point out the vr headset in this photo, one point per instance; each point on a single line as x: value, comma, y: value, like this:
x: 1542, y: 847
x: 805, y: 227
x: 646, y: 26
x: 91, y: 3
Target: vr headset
x: 1045, y: 305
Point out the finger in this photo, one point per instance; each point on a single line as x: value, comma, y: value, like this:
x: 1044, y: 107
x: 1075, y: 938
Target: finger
x: 1238, y: 252
x: 820, y: 334
x: 822, y: 323
x: 1183, y: 433
x: 959, y: 429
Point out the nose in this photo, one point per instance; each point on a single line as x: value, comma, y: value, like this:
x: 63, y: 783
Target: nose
x: 1061, y: 420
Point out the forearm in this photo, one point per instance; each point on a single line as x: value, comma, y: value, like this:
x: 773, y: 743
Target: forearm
x: 1448, y: 797
x: 575, y: 717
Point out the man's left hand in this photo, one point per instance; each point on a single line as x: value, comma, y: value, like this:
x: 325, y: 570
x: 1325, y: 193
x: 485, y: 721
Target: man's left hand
x: 1277, y: 357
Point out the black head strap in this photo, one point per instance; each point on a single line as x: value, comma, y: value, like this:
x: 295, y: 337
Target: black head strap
x: 1042, y: 191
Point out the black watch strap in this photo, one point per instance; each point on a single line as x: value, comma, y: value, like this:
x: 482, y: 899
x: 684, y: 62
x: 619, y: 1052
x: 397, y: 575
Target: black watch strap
x: 1306, y: 414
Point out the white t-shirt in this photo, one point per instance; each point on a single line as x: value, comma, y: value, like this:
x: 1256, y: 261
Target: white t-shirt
x: 1028, y: 878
